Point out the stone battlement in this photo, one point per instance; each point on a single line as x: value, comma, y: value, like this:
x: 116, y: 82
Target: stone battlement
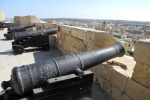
x: 122, y: 78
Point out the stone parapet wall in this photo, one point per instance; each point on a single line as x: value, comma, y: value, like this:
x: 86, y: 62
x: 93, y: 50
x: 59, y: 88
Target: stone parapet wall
x: 82, y: 39
x: 116, y: 81
x: 24, y: 20
x: 45, y: 26
x: 141, y: 72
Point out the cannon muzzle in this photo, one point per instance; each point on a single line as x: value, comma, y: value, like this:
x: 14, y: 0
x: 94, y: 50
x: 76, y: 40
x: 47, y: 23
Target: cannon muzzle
x: 27, y: 77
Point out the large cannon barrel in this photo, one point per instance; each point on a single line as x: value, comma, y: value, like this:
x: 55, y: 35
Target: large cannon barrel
x: 17, y: 28
x: 27, y: 77
x: 18, y: 36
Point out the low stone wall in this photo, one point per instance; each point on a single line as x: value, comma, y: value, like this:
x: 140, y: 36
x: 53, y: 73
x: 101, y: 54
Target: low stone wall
x: 116, y: 81
x: 24, y: 20
x: 142, y: 57
x: 45, y: 26
x: 75, y: 39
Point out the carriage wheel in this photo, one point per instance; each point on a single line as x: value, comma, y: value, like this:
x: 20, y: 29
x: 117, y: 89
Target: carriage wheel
x: 19, y: 49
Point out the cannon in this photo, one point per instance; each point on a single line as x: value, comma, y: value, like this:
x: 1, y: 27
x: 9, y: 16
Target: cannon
x: 36, y: 38
x: 11, y: 30
x: 3, y: 24
x: 28, y: 77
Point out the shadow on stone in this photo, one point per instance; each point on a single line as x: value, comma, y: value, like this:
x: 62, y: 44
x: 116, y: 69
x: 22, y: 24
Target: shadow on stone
x: 4, y: 39
x: 45, y: 55
x: 32, y: 50
x: 8, y: 52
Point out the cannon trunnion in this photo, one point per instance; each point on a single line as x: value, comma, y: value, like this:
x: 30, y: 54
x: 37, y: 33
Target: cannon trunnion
x: 37, y: 38
x: 11, y: 30
x: 27, y: 77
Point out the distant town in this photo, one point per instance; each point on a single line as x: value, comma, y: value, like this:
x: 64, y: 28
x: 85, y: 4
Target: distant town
x: 121, y: 29
x: 126, y: 32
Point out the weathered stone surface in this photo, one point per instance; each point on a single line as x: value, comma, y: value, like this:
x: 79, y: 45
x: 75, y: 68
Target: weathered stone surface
x: 76, y: 43
x: 39, y: 26
x: 95, y: 79
x: 59, y: 35
x: 142, y: 51
x: 103, y: 39
x: 67, y: 30
x: 142, y: 73
x: 61, y: 49
x: 17, y: 20
x: 78, y: 32
x: 49, y: 26
x: 118, y: 80
x: 137, y: 91
x: 24, y: 20
x: 125, y: 97
x: 116, y: 93
x: 2, y: 16
x: 81, y: 34
x: 105, y: 71
x: 107, y: 86
x: 62, y: 37
x: 71, y: 50
x: 100, y: 81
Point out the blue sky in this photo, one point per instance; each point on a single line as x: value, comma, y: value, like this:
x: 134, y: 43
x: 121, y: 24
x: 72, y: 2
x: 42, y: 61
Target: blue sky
x: 137, y: 10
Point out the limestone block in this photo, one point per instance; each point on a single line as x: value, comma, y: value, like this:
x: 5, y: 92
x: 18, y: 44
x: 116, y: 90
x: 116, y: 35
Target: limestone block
x: 116, y: 93
x: 74, y: 32
x: 17, y: 20
x: 78, y: 32
x: 125, y: 97
x: 63, y: 37
x: 95, y: 79
x: 39, y: 26
x: 103, y: 39
x: 34, y: 19
x: 89, y: 40
x: 71, y: 50
x: 59, y: 42
x: 65, y: 46
x: 118, y: 80
x: 58, y: 34
x: 137, y: 91
x: 81, y: 34
x: 2, y: 16
x: 77, y: 43
x: 68, y: 40
x: 100, y: 81
x: 142, y: 51
x: 59, y: 47
x: 105, y: 71
x: 49, y: 26
x: 25, y: 20
x: 67, y: 30
x: 142, y: 73
x: 107, y: 86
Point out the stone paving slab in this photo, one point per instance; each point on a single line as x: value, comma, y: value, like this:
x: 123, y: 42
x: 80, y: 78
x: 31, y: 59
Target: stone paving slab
x: 8, y: 59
